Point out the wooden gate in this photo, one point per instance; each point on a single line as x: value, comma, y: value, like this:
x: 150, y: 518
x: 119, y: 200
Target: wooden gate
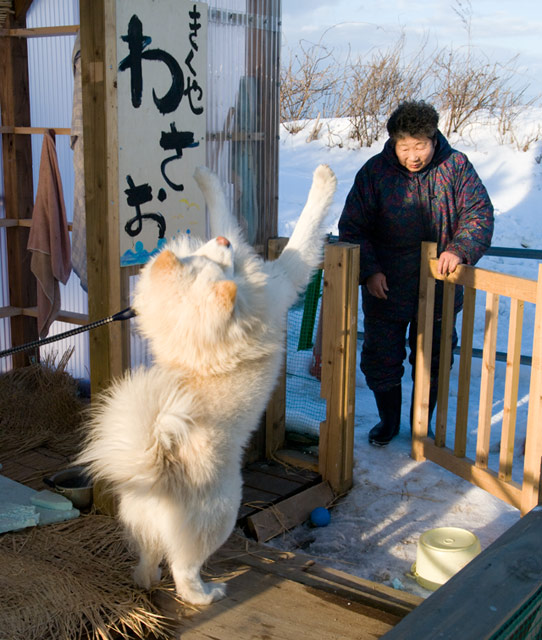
x: 524, y: 495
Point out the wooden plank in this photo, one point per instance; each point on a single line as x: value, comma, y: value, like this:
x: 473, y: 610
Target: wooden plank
x: 420, y: 417
x: 255, y: 500
x: 270, y: 483
x: 71, y: 317
x: 339, y: 342
x: 533, y: 444
x: 10, y: 312
x: 487, y: 382
x: 476, y: 602
x: 491, y: 281
x: 276, y: 469
x: 18, y: 184
x: 448, y: 316
x: 511, y: 386
x: 261, y: 604
x: 297, y: 459
x: 40, y: 32
x: 384, y: 601
x: 35, y: 130
x: 9, y: 222
x: 465, y: 468
x: 289, y: 513
x: 465, y: 362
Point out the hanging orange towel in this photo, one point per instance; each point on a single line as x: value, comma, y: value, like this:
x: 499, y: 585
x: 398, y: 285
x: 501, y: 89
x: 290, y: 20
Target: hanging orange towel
x: 49, y: 240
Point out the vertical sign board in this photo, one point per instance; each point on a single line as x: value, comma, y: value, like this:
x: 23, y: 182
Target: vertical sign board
x: 161, y: 93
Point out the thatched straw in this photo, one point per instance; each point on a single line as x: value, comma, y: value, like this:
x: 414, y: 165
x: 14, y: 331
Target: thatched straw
x: 6, y: 7
x: 71, y: 581
x: 39, y: 406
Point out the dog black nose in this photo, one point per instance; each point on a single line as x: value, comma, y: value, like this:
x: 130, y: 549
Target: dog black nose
x: 223, y: 241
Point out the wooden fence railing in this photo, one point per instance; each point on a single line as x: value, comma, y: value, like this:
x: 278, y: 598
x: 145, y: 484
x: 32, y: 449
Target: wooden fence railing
x: 339, y: 337
x: 523, y: 495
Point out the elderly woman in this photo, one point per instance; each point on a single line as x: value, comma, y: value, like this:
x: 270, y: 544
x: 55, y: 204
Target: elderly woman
x: 418, y: 188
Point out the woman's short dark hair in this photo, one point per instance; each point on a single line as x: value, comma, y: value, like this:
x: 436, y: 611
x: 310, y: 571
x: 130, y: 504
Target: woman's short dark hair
x: 414, y: 119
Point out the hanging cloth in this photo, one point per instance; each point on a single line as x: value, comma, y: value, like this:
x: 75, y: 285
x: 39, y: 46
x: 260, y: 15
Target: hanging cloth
x: 49, y: 240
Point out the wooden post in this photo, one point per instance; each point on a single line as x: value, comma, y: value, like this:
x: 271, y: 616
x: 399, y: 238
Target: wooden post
x: 18, y: 185
x: 530, y: 495
x: 487, y: 382
x: 448, y: 316
x: 339, y: 339
x: 424, y: 340
x: 98, y: 70
x: 513, y: 361
x: 275, y: 414
x: 465, y: 362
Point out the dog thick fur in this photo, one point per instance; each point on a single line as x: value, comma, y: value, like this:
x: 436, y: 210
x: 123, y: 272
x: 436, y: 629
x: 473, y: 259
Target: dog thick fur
x: 168, y: 439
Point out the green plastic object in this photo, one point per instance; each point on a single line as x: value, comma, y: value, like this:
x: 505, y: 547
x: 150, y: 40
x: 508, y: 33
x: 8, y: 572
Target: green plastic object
x: 312, y: 295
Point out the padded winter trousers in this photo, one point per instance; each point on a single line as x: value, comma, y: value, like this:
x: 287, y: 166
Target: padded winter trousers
x: 384, y: 351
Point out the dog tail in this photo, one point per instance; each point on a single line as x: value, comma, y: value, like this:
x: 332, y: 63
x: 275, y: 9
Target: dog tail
x: 143, y: 433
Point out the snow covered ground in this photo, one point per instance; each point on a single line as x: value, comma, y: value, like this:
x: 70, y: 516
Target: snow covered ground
x: 374, y: 530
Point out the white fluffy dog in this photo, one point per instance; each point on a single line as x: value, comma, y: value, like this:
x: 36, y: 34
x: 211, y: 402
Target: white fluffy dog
x: 168, y: 440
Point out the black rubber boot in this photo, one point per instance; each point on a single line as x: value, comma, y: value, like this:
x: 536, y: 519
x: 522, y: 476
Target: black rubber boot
x: 432, y: 404
x: 389, y: 410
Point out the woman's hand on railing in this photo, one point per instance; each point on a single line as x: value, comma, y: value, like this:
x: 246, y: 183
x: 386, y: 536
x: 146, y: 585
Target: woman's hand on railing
x: 447, y: 263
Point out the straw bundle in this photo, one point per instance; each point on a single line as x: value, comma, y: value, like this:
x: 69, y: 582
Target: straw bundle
x: 71, y: 581
x: 39, y: 406
x: 5, y: 8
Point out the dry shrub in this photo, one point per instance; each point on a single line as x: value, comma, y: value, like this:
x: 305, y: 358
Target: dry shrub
x: 39, y: 406
x: 465, y: 87
x: 73, y: 580
x: 311, y: 82
x: 377, y: 85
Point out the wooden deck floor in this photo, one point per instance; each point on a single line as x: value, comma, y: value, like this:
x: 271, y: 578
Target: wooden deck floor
x: 272, y: 595
x: 276, y: 595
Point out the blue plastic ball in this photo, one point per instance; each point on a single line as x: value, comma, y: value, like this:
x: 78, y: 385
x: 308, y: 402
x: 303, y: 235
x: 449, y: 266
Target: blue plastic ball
x: 320, y: 517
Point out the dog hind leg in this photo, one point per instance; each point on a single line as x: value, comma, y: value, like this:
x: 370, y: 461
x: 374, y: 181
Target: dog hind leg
x: 148, y: 573
x: 191, y: 588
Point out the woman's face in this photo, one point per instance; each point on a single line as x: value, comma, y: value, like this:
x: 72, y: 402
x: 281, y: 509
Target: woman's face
x: 414, y: 153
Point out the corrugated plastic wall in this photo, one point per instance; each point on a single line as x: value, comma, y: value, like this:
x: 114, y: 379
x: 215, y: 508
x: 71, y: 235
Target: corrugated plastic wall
x: 232, y: 59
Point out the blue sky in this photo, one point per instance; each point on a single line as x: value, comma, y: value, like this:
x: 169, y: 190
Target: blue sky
x: 499, y: 29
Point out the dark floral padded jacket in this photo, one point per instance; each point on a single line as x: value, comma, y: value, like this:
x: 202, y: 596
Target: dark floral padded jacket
x: 389, y: 211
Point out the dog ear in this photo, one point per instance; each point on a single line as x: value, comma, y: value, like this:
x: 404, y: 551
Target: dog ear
x: 165, y: 264
x: 226, y: 292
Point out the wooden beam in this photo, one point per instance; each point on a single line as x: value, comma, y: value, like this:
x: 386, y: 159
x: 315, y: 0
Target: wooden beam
x: 339, y: 340
x: 98, y: 70
x: 498, y: 283
x: 532, y: 474
x: 20, y: 9
x: 18, y: 184
x: 486, y: 479
x: 40, y: 32
x: 29, y: 130
x: 420, y: 418
x: 289, y: 513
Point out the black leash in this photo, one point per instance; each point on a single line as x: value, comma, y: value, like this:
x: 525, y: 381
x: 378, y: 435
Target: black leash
x: 125, y: 314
